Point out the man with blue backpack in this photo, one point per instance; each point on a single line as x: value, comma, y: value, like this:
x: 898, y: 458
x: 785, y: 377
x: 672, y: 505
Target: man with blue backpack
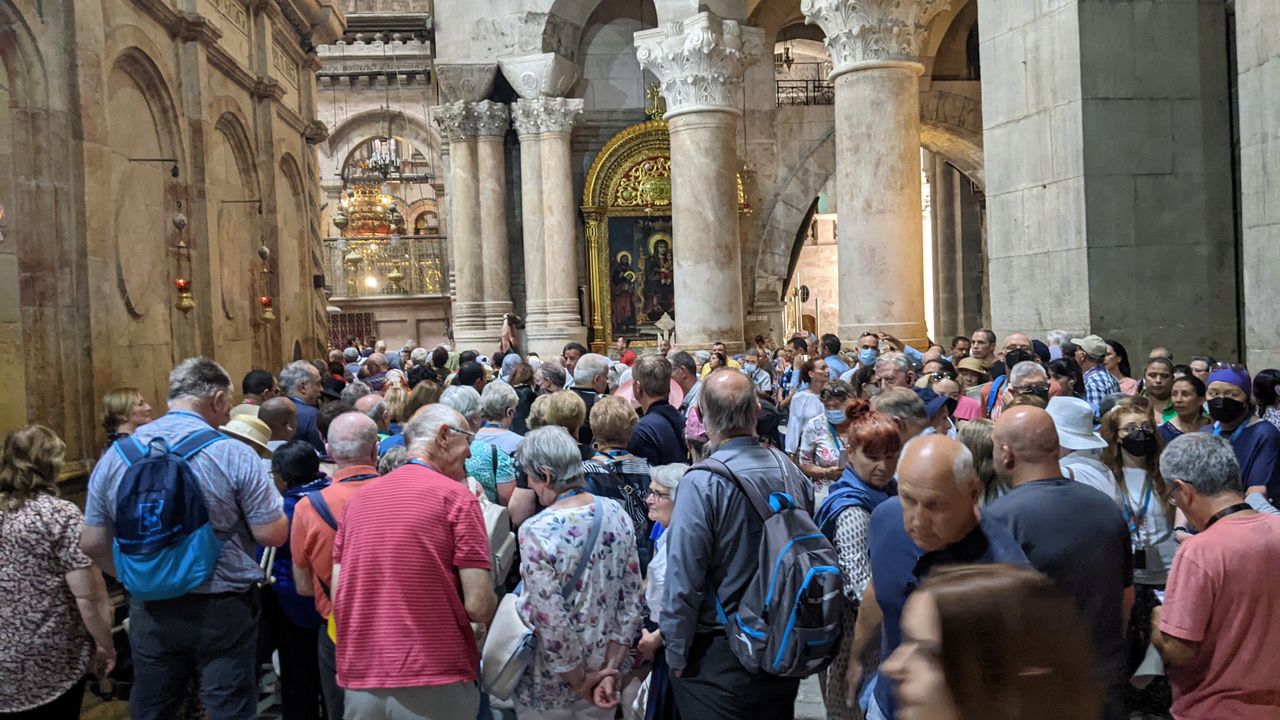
x: 753, y: 599
x: 176, y: 511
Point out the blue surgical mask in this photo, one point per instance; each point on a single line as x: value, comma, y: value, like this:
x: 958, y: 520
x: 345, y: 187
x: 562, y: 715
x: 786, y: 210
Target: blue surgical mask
x: 749, y: 368
x: 835, y: 417
x: 866, y: 356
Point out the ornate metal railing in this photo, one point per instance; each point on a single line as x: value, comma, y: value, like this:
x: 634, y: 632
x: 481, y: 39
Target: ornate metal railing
x: 382, y: 266
x: 804, y: 83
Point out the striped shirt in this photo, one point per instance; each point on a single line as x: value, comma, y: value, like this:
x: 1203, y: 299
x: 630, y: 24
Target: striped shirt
x: 398, y: 605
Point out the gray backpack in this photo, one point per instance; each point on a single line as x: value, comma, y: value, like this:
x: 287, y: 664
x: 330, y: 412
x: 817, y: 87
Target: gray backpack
x: 791, y: 616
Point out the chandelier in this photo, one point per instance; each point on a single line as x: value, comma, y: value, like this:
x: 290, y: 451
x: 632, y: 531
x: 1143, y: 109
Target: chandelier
x: 384, y: 157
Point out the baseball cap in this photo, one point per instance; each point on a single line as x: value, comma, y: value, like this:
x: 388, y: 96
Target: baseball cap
x: 1092, y: 345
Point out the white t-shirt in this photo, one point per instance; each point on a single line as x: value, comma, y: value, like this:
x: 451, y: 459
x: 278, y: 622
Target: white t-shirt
x: 1084, y: 467
x: 657, y: 576
x: 1156, y: 530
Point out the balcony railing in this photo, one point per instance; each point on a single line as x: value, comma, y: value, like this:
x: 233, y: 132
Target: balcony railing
x: 804, y: 83
x: 381, y: 266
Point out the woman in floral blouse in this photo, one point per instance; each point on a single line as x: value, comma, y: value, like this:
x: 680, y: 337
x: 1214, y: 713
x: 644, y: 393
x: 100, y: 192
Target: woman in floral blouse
x: 583, y: 638
x: 821, y: 446
x: 57, y: 615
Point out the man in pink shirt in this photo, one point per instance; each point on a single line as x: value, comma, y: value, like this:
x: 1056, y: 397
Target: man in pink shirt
x: 411, y: 572
x: 1219, y: 629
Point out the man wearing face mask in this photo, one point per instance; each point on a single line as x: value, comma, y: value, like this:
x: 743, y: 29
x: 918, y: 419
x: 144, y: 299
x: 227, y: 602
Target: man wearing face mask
x: 1255, y: 441
x: 868, y: 351
x: 1026, y: 377
x: 753, y: 365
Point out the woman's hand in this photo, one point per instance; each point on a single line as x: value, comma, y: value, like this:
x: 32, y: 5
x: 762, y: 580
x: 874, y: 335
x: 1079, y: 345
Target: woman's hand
x: 586, y: 687
x: 833, y: 473
x: 605, y: 696
x: 649, y: 643
x: 102, y: 662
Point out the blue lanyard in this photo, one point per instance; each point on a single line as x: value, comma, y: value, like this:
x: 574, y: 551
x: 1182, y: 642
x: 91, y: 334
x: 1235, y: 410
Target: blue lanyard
x: 615, y: 454
x: 421, y: 463
x: 497, y: 426
x: 835, y: 435
x: 358, y: 478
x: 1142, y: 513
x: 568, y: 494
x: 1235, y: 435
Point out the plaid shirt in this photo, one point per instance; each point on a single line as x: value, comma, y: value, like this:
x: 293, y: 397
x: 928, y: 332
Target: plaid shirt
x: 1098, y: 384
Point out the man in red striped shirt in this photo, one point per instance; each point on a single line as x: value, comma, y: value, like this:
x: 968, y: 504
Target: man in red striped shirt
x: 411, y: 570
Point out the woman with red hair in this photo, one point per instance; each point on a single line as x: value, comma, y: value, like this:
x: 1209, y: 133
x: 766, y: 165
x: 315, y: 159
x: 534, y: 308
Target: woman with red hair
x: 872, y: 446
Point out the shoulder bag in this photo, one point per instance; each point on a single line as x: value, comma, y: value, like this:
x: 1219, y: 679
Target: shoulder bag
x: 510, y: 644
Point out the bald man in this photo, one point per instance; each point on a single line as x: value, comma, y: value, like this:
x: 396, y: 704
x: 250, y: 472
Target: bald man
x: 281, y: 415
x: 1070, y: 532
x: 933, y: 521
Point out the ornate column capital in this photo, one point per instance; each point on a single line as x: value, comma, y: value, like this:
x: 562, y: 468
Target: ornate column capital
x: 466, y: 81
x: 545, y: 115
x: 861, y: 32
x: 537, y: 75
x: 456, y: 120
x: 699, y: 61
x: 490, y: 118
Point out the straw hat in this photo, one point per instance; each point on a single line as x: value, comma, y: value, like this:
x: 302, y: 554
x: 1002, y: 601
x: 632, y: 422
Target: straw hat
x: 251, y: 431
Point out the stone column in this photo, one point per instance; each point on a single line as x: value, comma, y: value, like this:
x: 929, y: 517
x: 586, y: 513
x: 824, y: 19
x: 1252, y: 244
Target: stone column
x: 527, y: 118
x: 491, y: 129
x: 559, y: 223
x: 944, y: 191
x: 699, y: 62
x: 874, y: 46
x: 457, y: 122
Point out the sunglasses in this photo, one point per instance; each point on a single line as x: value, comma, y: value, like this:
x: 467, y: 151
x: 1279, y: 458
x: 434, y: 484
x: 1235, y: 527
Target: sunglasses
x: 941, y: 375
x: 1229, y: 366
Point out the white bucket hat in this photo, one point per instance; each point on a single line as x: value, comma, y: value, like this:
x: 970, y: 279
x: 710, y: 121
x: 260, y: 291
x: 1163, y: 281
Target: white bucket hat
x: 1074, y: 420
x: 251, y: 430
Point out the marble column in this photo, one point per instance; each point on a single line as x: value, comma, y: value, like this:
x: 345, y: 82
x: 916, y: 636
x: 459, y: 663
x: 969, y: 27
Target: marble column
x: 874, y: 46
x: 457, y: 122
x: 699, y: 62
x: 491, y: 129
x: 526, y: 117
x: 545, y: 125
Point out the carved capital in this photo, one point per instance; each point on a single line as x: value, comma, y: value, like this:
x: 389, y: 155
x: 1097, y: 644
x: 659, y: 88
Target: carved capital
x: 545, y: 115
x: 872, y: 31
x: 190, y: 27
x: 536, y: 75
x: 455, y: 120
x: 315, y: 132
x: 466, y: 81
x: 699, y: 61
x: 491, y: 118
x: 267, y: 88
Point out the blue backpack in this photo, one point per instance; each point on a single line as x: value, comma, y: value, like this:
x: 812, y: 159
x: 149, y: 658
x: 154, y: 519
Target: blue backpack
x: 165, y: 546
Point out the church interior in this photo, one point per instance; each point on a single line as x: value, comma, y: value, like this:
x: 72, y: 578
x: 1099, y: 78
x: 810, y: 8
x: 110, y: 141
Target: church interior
x: 258, y: 180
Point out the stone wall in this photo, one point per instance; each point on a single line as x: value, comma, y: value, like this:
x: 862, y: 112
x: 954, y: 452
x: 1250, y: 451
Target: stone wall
x: 1258, y: 61
x: 1108, y: 171
x: 103, y: 103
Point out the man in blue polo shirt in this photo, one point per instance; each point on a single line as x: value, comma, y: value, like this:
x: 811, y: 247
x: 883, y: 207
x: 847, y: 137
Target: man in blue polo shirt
x: 934, y: 521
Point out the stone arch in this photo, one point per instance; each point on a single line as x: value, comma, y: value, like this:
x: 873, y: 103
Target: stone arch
x: 427, y: 205
x: 235, y: 235
x: 136, y: 233
x: 363, y: 125
x: 951, y: 125
x: 293, y: 266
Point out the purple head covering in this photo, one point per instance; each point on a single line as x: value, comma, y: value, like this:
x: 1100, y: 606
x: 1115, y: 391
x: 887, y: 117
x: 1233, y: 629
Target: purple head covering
x: 1239, y: 378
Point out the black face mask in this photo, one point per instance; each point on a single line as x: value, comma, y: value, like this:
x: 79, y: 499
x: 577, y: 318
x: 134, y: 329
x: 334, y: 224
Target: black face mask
x: 1139, y: 442
x: 1225, y: 410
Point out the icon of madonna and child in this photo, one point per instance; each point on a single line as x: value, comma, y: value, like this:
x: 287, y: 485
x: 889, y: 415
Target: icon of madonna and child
x: 641, y: 273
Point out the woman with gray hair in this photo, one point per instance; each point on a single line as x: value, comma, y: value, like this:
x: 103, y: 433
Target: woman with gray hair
x: 582, y: 594
x: 498, y: 408
x: 664, y: 481
x: 493, y: 469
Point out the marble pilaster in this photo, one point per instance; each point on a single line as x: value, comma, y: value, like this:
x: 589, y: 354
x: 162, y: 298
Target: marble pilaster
x: 491, y: 122
x: 457, y: 123
x: 874, y: 46
x: 526, y: 117
x: 699, y: 63
x: 559, y: 224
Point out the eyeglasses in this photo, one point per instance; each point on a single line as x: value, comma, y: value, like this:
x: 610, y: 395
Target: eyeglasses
x: 941, y: 375
x: 868, y: 333
x: 1130, y: 429
x: 470, y: 435
x: 659, y: 495
x: 1228, y: 366
x: 1028, y: 389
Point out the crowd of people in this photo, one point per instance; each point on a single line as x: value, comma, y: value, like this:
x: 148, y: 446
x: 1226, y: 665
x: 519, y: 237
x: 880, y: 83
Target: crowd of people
x: 1020, y: 529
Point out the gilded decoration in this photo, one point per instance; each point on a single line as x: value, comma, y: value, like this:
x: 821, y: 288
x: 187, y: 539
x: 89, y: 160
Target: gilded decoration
x: 627, y: 209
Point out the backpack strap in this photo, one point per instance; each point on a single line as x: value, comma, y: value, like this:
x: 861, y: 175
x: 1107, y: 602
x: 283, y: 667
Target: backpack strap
x: 197, y: 441
x: 748, y: 488
x: 994, y: 393
x: 130, y: 450
x: 321, y: 507
x: 596, y: 523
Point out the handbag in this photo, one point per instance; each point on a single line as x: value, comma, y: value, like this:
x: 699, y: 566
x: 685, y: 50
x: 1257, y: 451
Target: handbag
x: 502, y: 542
x: 510, y: 644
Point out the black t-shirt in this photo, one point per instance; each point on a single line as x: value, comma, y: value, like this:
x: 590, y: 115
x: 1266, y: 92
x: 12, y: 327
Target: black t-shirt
x: 1078, y: 537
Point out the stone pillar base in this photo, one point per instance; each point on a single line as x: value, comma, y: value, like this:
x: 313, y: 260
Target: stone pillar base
x: 911, y: 333
x: 481, y: 340
x: 493, y: 312
x: 549, y: 342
